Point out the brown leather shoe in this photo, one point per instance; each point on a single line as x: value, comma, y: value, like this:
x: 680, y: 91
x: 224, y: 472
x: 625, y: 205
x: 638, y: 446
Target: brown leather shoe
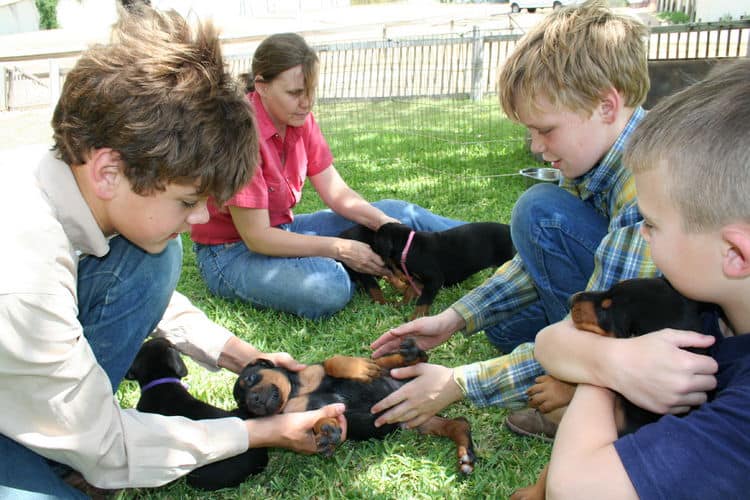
x: 531, y: 422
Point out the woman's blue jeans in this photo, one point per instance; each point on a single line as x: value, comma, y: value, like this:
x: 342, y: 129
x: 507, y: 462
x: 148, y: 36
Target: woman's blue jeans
x: 121, y: 298
x: 311, y: 287
x: 556, y: 234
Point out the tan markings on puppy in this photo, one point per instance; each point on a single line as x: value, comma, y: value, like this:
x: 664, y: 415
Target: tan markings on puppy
x: 584, y: 318
x: 318, y: 427
x: 310, y: 378
x: 296, y: 404
x: 278, y: 379
x: 549, y: 394
x: 352, y: 368
x: 397, y: 360
x: 606, y: 303
x: 459, y: 431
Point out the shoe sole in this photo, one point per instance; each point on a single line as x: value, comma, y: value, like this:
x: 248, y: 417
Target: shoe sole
x: 517, y: 430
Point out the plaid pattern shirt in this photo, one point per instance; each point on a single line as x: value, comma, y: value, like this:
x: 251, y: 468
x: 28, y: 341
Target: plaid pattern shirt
x: 610, y: 189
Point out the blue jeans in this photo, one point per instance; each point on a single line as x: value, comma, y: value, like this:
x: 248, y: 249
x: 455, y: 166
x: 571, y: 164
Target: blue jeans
x: 311, y: 287
x: 556, y: 235
x: 121, y: 298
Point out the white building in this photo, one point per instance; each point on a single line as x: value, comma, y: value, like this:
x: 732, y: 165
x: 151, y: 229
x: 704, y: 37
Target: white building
x: 18, y: 16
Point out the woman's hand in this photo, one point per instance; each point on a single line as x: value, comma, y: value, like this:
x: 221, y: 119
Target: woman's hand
x: 432, y: 390
x: 655, y: 372
x: 360, y: 257
x: 293, y: 431
x: 428, y: 331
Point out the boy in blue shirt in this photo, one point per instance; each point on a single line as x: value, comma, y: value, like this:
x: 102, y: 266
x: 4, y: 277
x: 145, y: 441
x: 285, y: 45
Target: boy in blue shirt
x: 690, y: 159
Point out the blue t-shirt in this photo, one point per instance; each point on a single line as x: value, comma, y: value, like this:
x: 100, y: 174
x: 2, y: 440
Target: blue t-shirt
x: 706, y: 453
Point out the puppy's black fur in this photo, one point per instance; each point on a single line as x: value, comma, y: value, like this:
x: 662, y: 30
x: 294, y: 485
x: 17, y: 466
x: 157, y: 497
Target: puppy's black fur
x: 632, y: 308
x: 440, y: 258
x: 264, y: 389
x: 158, y: 359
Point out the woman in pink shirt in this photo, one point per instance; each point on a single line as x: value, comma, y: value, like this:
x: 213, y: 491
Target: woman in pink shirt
x: 254, y: 248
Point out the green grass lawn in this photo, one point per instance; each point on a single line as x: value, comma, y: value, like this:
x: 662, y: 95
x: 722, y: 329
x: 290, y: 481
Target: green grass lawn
x: 447, y: 157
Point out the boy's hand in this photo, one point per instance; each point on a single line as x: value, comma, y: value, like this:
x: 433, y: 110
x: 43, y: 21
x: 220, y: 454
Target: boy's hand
x: 432, y: 390
x: 293, y: 431
x: 428, y: 331
x: 656, y: 373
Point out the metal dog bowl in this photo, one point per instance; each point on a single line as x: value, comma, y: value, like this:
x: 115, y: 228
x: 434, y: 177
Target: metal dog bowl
x: 541, y: 174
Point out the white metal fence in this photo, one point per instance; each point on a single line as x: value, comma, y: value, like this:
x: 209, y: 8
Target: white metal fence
x: 454, y: 65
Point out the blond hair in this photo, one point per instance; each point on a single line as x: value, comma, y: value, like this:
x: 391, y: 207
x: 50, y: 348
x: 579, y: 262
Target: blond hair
x: 701, y: 137
x: 572, y: 57
x: 160, y: 96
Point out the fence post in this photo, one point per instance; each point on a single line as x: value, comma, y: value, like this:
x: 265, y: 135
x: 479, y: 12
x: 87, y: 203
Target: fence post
x: 477, y: 64
x: 54, y: 82
x: 3, y: 88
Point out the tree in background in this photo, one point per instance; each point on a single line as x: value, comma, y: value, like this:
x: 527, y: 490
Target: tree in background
x: 47, y: 13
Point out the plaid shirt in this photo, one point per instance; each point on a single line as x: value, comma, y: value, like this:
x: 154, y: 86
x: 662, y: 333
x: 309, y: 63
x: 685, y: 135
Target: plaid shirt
x: 610, y: 189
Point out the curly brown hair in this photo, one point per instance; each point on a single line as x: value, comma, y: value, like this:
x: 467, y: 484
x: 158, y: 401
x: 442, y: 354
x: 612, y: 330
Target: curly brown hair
x: 160, y: 96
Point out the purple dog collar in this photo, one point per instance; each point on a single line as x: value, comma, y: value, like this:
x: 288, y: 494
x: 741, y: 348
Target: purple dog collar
x: 166, y: 380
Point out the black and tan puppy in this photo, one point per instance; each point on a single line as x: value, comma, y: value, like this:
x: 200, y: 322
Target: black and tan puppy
x: 629, y: 309
x: 158, y: 369
x: 434, y: 259
x: 264, y: 389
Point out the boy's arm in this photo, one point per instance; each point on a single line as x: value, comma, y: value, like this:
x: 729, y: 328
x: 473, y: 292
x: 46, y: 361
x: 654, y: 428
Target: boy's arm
x: 500, y: 381
x: 502, y: 294
x: 584, y: 461
x: 653, y: 371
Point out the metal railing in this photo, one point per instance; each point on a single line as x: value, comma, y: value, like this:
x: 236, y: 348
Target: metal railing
x: 455, y: 65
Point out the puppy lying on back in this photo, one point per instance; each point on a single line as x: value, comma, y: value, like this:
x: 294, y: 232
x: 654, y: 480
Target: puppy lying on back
x: 629, y: 309
x: 433, y: 259
x: 263, y: 389
x: 158, y: 369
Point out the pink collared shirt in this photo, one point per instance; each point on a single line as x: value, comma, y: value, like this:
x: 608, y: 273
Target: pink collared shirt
x: 276, y: 185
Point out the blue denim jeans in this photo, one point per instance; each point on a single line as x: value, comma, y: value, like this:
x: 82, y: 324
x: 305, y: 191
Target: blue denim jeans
x: 121, y: 298
x: 311, y: 287
x: 556, y: 235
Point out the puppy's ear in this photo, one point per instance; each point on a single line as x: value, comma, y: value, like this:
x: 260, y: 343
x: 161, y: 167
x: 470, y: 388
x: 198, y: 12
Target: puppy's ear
x: 382, y: 241
x: 264, y: 363
x: 175, y: 363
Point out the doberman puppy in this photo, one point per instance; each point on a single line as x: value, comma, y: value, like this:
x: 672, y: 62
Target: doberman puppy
x: 434, y: 259
x: 158, y: 369
x: 630, y: 308
x: 264, y: 389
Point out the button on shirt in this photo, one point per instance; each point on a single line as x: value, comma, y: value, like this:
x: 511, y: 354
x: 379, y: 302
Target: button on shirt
x: 278, y: 179
x: 62, y: 405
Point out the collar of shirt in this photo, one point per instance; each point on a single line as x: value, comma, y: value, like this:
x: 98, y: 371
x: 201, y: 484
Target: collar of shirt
x: 602, y: 177
x: 57, y: 182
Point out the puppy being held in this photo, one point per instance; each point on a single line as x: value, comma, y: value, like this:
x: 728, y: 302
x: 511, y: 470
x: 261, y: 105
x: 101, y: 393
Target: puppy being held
x: 629, y: 308
x: 427, y: 261
x: 158, y: 369
x: 264, y: 389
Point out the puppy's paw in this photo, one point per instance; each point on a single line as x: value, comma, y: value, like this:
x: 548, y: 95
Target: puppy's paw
x: 549, y: 393
x: 410, y: 352
x: 466, y: 461
x: 327, y: 435
x: 352, y: 368
x: 528, y: 493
